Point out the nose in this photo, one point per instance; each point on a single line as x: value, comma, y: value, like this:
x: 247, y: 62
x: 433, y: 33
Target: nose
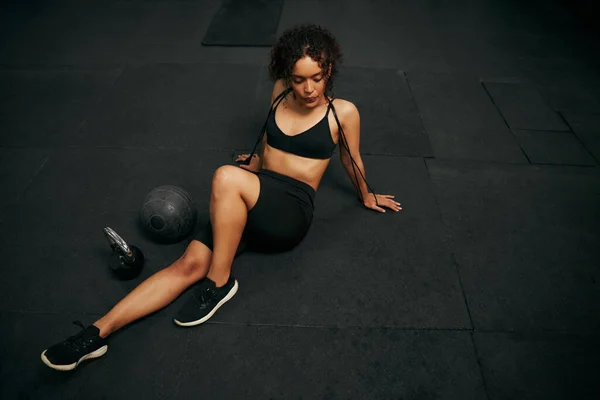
x: 308, y: 87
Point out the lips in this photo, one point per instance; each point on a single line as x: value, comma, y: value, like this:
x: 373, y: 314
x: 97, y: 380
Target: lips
x: 310, y: 99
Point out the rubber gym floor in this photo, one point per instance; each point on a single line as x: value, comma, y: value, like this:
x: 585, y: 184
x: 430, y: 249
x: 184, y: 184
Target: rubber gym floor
x: 482, y: 117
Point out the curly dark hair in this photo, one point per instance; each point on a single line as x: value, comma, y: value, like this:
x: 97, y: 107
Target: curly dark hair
x: 305, y: 40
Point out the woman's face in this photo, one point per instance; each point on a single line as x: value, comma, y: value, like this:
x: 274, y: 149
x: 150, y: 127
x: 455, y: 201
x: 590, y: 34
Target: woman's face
x: 308, y: 82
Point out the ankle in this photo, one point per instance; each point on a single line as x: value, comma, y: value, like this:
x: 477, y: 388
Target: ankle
x: 105, y: 329
x: 219, y: 281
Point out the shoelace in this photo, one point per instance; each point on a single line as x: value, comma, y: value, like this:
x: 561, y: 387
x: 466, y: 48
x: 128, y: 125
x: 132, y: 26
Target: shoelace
x: 77, y: 340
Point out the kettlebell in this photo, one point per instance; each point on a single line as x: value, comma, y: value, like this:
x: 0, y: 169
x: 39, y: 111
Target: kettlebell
x: 125, y: 261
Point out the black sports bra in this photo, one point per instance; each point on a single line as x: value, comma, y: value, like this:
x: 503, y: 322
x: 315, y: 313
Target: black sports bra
x: 316, y: 146
x: 315, y: 142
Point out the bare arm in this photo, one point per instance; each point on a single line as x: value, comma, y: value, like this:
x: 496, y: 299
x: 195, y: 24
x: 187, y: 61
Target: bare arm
x: 350, y: 148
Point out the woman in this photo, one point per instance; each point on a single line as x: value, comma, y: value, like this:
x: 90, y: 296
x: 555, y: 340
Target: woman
x: 264, y: 206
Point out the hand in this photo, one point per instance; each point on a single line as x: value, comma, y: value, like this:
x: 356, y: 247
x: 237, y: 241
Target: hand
x: 252, y: 166
x: 384, y: 200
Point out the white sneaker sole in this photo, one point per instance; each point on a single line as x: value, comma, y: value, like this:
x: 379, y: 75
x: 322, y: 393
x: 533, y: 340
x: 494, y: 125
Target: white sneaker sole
x: 95, y: 354
x: 225, y: 299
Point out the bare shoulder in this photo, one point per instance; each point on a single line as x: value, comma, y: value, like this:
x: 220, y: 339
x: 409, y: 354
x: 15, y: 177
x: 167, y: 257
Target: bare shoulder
x: 346, y: 110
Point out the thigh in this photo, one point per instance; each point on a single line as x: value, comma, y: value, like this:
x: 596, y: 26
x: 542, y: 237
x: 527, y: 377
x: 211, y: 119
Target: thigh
x: 247, y: 183
x: 278, y: 221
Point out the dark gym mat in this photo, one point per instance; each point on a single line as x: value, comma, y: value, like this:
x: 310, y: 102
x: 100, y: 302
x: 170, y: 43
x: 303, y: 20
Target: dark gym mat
x: 374, y: 34
x: 552, y: 147
x: 587, y: 129
x: 273, y: 362
x: 244, y: 23
x: 466, y: 53
x: 17, y: 169
x: 567, y: 84
x: 47, y: 107
x: 70, y: 32
x: 143, y: 360
x: 114, y: 33
x: 390, y: 122
x: 523, y: 107
x: 548, y: 366
x: 526, y: 242
x: 358, y: 267
x: 177, y: 105
x: 58, y: 223
x: 171, y: 32
x: 461, y: 120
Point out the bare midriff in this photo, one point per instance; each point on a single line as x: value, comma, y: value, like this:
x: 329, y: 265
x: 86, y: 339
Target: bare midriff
x: 307, y: 170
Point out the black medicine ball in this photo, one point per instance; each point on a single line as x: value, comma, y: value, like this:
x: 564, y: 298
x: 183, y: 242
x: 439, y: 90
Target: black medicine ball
x: 168, y: 214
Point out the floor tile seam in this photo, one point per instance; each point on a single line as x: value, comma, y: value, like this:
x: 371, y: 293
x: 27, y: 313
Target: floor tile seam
x: 416, y: 105
x: 339, y: 327
x: 479, y: 362
x: 35, y: 175
x: 89, y: 110
x: 561, y: 114
x: 416, y: 329
x: 562, y: 164
x: 184, y: 359
x: 494, y: 163
x: 449, y: 242
x: 544, y: 130
x: 515, y: 139
x: 365, y: 327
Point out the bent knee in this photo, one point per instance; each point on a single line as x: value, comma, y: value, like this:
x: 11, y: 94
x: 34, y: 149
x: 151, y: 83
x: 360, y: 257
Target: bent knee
x: 195, y: 260
x: 227, y: 176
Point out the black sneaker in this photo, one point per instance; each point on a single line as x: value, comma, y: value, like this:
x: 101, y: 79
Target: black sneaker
x: 205, y: 301
x: 67, y: 355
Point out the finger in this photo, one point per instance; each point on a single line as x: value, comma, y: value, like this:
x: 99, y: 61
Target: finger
x: 389, y: 197
x: 376, y: 208
x: 393, y: 206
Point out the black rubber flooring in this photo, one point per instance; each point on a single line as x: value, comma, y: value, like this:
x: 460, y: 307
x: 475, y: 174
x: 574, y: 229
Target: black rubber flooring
x: 482, y: 117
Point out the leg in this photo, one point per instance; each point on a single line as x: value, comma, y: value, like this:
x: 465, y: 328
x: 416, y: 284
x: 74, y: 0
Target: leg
x: 151, y: 295
x: 234, y: 192
x: 158, y: 290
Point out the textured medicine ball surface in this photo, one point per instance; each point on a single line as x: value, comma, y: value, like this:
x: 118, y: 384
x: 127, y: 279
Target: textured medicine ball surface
x: 168, y: 213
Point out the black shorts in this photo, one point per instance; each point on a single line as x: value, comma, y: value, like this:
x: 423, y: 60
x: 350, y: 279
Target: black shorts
x: 278, y: 221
